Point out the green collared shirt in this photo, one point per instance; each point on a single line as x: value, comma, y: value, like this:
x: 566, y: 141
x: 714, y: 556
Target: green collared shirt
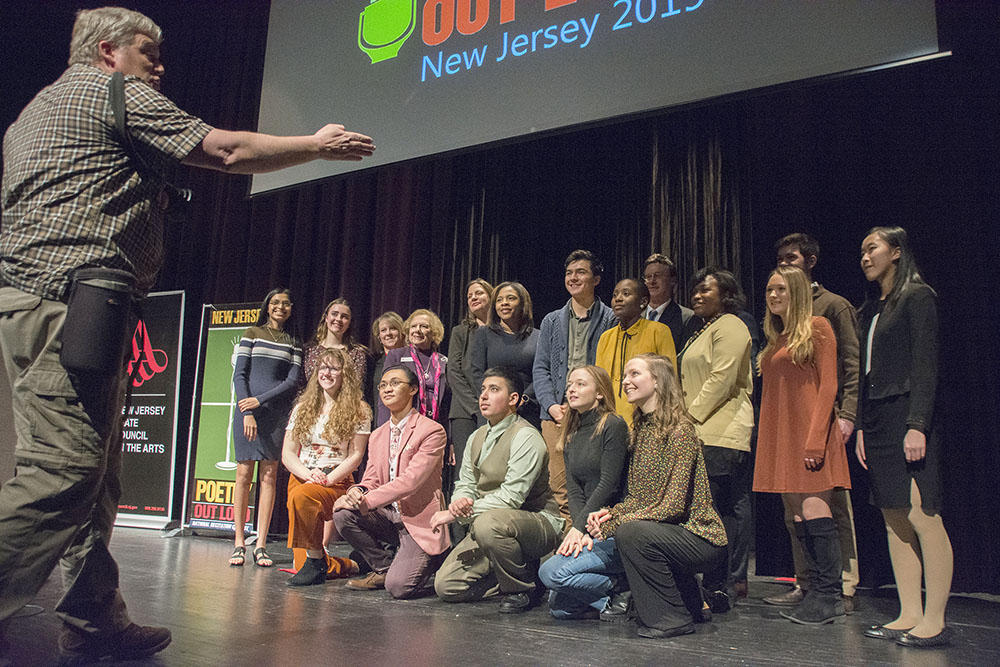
x: 579, y: 327
x: 527, y: 458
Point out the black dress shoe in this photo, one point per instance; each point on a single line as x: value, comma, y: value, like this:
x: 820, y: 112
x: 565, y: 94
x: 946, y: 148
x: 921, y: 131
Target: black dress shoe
x: 942, y: 638
x: 516, y: 603
x: 882, y: 632
x: 656, y: 633
x: 720, y: 602
x: 618, y: 609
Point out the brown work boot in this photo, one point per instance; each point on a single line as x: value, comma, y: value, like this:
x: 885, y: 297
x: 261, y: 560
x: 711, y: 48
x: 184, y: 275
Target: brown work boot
x: 373, y: 581
x: 134, y: 642
x: 788, y: 599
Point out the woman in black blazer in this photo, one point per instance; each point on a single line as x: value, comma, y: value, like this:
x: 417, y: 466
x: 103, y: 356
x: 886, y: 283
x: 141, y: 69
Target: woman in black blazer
x: 897, y: 442
x: 464, y: 396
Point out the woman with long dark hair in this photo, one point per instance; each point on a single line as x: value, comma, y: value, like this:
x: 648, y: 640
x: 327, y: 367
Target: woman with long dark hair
x: 666, y: 529
x: 583, y: 573
x: 268, y: 366
x: 897, y: 441
x: 508, y: 339
x: 800, y: 449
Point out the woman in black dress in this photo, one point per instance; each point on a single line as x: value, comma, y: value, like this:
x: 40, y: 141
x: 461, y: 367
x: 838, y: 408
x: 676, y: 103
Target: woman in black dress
x: 897, y: 440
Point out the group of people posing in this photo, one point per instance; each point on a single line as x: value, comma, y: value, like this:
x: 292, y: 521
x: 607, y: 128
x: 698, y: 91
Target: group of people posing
x: 606, y: 457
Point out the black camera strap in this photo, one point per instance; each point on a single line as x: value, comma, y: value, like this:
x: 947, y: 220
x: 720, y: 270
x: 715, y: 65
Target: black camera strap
x: 116, y: 98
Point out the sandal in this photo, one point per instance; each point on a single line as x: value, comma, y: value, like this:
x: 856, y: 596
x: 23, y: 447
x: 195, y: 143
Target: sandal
x: 239, y: 557
x: 261, y: 559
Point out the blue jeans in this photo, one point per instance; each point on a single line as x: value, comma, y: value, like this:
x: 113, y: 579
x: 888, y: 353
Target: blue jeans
x: 577, y: 584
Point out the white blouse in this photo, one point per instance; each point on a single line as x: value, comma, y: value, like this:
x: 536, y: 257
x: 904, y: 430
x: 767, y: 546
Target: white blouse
x: 319, y: 452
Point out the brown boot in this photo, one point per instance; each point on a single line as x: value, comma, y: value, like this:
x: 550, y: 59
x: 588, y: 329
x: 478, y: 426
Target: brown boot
x: 373, y: 581
x: 787, y: 599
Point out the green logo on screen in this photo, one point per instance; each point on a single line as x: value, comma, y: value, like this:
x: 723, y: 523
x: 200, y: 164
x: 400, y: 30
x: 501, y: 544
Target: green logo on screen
x: 384, y: 26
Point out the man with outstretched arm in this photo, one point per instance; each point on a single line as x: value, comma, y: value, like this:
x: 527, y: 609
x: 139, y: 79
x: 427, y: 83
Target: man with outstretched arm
x: 76, y: 194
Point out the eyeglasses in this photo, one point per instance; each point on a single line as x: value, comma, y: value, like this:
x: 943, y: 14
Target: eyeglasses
x: 655, y: 276
x: 391, y: 383
x: 329, y: 369
x: 283, y: 304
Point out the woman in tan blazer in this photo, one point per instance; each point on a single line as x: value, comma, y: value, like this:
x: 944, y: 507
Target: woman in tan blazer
x: 717, y: 380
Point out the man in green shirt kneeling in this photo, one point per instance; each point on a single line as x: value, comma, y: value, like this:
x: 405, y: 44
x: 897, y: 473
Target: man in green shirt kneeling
x: 503, y: 495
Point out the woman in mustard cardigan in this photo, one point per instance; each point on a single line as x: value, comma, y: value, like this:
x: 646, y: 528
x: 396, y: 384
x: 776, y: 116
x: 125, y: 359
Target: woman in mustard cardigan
x: 717, y: 379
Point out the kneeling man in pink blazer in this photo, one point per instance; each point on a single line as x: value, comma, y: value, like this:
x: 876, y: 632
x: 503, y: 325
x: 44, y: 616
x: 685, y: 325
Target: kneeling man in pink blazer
x: 387, y: 516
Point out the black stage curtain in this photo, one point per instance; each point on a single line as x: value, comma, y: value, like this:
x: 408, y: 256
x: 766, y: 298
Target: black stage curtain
x: 713, y: 184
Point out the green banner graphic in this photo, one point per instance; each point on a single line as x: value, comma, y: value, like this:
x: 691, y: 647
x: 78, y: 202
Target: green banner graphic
x: 212, y: 463
x: 384, y: 26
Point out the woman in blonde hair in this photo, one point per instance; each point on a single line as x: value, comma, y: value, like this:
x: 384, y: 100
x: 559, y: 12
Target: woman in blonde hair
x: 666, y: 529
x: 594, y: 442
x: 465, y: 396
x: 325, y: 440
x: 424, y: 333
x: 387, y: 335
x: 800, y: 450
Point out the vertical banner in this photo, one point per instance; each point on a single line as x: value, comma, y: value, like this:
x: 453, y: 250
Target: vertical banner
x: 149, y: 421
x: 211, y: 456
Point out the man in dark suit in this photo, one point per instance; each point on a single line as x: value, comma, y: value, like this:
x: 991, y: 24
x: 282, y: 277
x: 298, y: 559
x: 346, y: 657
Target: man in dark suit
x: 660, y: 276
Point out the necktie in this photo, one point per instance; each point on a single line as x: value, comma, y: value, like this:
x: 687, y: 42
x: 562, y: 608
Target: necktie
x: 395, y: 436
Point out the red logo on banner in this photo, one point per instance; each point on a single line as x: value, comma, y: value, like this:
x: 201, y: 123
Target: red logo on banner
x: 142, y: 348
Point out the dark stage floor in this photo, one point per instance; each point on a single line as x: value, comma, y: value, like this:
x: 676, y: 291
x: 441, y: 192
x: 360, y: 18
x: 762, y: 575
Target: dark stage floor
x: 247, y: 616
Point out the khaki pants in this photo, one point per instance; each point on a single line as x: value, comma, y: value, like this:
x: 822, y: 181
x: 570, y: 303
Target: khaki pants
x: 60, y: 507
x: 557, y: 469
x: 843, y: 516
x: 500, y: 554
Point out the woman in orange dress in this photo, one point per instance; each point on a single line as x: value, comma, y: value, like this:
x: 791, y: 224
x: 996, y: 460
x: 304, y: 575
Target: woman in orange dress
x: 800, y: 450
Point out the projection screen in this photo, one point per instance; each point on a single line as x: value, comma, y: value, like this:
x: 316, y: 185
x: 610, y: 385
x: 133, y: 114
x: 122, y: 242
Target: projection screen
x: 425, y: 77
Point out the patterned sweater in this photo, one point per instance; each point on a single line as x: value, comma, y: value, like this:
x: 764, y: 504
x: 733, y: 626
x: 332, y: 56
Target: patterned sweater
x: 667, y: 482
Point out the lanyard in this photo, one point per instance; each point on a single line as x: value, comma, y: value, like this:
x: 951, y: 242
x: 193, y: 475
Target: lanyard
x: 436, y: 367
x: 622, y: 357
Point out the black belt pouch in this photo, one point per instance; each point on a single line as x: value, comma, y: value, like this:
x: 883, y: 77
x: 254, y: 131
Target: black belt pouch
x: 97, y: 321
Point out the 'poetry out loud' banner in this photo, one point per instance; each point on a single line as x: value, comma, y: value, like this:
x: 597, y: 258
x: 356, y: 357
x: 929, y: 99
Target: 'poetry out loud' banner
x: 211, y: 457
x: 149, y: 421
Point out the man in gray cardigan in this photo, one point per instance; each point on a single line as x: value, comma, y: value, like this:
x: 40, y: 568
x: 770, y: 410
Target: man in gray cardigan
x: 568, y: 338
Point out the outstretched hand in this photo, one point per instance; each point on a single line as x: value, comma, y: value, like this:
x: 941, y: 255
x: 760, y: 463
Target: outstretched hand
x: 336, y: 143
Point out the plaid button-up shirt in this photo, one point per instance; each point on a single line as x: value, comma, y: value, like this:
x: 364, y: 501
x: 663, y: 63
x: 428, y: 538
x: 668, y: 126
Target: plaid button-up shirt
x: 71, y: 194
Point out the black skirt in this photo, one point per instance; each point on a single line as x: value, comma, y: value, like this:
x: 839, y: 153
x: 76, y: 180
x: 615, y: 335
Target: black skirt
x: 884, y: 426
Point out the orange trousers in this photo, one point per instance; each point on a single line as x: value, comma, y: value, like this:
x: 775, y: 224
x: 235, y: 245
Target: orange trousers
x: 309, y: 505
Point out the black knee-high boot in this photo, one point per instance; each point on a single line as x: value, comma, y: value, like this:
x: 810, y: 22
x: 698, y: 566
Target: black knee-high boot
x: 823, y: 602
